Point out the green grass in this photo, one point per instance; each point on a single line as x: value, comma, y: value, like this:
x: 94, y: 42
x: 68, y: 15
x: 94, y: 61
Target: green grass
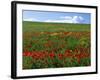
x: 53, y: 27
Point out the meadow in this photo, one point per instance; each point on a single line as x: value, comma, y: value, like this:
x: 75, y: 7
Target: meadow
x: 54, y: 45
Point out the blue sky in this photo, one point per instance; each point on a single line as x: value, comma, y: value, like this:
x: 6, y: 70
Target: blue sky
x: 60, y: 17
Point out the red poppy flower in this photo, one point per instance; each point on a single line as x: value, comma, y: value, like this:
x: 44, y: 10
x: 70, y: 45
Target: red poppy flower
x: 27, y: 54
x: 52, y: 55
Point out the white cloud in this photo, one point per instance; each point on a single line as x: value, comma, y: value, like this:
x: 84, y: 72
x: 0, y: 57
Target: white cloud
x: 68, y: 19
x: 77, y: 19
x: 59, y: 21
x: 81, y: 18
x: 30, y: 19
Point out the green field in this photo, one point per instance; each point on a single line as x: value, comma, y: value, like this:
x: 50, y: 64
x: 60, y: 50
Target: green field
x: 54, y: 45
x: 53, y: 27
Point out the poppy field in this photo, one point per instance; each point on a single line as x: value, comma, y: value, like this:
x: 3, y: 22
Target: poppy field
x: 56, y: 45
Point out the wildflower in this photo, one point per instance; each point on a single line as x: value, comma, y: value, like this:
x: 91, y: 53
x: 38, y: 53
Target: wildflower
x: 27, y: 54
x: 52, y: 55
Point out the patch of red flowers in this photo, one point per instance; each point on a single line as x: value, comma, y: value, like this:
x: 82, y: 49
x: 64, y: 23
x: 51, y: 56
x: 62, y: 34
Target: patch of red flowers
x: 81, y: 55
x: 27, y: 54
x: 52, y: 55
x: 37, y: 55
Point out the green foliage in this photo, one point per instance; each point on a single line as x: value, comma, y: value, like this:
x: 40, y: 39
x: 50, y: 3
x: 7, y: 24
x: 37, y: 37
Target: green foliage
x: 72, y: 42
x: 85, y: 62
x: 27, y: 62
x: 85, y: 42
